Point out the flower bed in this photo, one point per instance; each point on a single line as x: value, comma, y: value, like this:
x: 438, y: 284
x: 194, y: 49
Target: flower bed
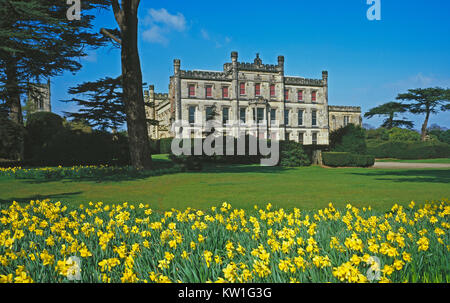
x: 50, y: 242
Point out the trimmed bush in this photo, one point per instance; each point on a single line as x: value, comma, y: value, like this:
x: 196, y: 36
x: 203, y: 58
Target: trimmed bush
x: 41, y: 128
x: 350, y: 138
x: 293, y: 155
x: 408, y: 150
x: 337, y: 159
x: 165, y: 145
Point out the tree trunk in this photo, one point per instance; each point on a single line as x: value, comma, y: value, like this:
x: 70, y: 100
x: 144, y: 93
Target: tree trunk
x: 424, y: 126
x: 13, y: 99
x: 132, y: 91
x: 13, y: 91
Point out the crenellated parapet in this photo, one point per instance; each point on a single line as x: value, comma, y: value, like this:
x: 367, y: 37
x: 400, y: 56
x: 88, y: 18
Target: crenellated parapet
x: 204, y: 75
x: 303, y: 81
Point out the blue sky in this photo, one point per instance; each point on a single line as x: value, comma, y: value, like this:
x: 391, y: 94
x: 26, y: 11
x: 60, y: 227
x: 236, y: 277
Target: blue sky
x: 369, y: 62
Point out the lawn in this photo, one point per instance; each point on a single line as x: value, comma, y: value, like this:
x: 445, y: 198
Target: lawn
x: 246, y: 185
x: 438, y: 160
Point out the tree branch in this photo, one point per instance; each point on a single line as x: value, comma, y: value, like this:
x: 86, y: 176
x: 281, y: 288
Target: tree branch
x: 118, y: 13
x: 105, y: 32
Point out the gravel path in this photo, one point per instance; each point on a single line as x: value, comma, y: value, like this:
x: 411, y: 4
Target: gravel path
x: 409, y: 165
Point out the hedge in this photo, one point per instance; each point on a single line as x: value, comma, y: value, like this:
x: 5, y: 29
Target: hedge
x: 336, y: 159
x: 408, y: 150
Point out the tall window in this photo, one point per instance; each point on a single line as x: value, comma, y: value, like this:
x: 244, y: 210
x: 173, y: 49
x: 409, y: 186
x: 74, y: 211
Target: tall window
x: 225, y: 92
x: 346, y: 120
x: 273, y: 115
x: 314, y: 138
x: 208, y: 91
x: 272, y: 90
x: 286, y: 94
x: 191, y: 114
x: 313, y: 96
x: 300, y: 137
x: 257, y: 89
x: 242, y: 114
x: 225, y: 112
x: 286, y: 117
x: 314, y: 118
x: 300, y: 95
x: 260, y: 114
x: 191, y: 90
x: 242, y: 88
x: 209, y: 113
x: 300, y: 117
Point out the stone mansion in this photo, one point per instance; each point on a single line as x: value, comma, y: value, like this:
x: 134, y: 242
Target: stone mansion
x: 247, y: 92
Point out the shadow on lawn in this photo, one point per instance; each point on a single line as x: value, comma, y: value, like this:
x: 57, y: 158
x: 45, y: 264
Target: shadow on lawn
x: 409, y: 175
x: 243, y: 168
x: 39, y: 197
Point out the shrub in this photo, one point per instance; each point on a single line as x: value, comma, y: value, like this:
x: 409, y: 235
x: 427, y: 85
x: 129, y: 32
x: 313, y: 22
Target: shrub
x: 154, y: 146
x: 41, y: 127
x: 409, y: 150
x: 165, y: 145
x: 336, y: 159
x: 12, y: 138
x: 380, y: 133
x: 293, y: 155
x: 350, y: 138
x: 402, y: 134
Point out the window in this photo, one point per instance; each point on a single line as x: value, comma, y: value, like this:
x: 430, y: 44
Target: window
x: 300, y: 117
x: 260, y: 114
x: 191, y: 90
x: 273, y: 115
x: 242, y: 88
x: 191, y: 114
x: 272, y: 90
x: 314, y: 138
x: 300, y: 95
x: 208, y: 91
x: 314, y: 118
x: 242, y: 114
x: 314, y: 96
x: 225, y: 92
x: 210, y: 113
x: 225, y: 112
x: 286, y: 117
x: 286, y: 94
x: 300, y: 137
x: 257, y: 89
x: 346, y: 120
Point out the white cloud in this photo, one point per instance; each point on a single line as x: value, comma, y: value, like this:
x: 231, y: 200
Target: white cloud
x: 161, y: 23
x: 177, y: 22
x: 155, y: 35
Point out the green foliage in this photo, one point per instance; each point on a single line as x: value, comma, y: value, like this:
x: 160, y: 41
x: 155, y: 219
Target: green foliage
x: 293, y: 155
x: 408, y: 150
x: 441, y: 135
x: 350, y: 138
x: 12, y: 137
x: 101, y: 103
x: 41, y: 127
x: 165, y: 145
x: 87, y: 173
x: 380, y: 133
x: 390, y: 110
x: 337, y: 159
x: 49, y: 142
x: 401, y: 134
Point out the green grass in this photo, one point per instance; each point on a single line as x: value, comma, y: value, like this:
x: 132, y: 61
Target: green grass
x: 438, y: 160
x: 244, y: 186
